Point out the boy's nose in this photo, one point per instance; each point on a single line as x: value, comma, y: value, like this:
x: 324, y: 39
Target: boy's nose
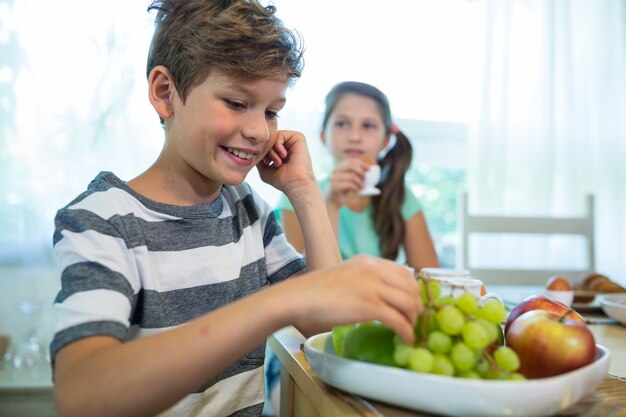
x: 257, y: 129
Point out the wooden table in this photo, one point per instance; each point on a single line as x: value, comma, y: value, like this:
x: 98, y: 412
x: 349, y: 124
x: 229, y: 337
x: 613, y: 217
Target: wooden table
x: 303, y: 394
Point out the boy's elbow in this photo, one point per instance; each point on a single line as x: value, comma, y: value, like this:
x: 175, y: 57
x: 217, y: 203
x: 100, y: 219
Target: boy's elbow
x: 64, y: 403
x: 71, y: 401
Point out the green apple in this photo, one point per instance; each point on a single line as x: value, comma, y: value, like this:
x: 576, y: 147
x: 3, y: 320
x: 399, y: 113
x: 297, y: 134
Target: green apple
x: 338, y: 335
x: 370, y: 342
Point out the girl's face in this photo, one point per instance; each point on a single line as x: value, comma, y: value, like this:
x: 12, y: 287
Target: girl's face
x: 355, y: 128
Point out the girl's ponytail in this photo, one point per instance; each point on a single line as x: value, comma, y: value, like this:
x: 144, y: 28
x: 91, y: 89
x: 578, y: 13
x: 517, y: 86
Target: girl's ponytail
x: 387, y: 206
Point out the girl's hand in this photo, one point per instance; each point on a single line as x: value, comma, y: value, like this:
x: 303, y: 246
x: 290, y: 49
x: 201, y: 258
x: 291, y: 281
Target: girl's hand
x: 346, y: 180
x: 287, y: 166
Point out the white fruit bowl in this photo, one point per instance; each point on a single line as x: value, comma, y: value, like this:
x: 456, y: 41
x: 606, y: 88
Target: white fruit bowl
x: 454, y: 396
x: 614, y: 306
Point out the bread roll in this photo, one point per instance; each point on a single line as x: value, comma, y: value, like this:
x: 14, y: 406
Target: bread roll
x: 600, y: 283
x: 610, y: 286
x: 590, y: 281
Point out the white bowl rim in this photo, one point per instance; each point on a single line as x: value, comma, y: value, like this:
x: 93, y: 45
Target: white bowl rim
x: 610, y: 299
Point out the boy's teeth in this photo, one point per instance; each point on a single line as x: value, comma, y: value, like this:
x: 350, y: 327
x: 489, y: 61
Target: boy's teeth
x: 240, y: 154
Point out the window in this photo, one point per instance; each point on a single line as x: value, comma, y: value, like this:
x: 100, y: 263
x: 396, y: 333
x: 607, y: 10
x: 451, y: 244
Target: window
x: 73, y: 98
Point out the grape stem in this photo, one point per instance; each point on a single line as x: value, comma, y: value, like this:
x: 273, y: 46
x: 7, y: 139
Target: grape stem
x: 429, y: 297
x: 491, y: 360
x: 426, y: 314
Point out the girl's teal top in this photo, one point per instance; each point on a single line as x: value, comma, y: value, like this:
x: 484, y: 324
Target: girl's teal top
x: 356, y: 229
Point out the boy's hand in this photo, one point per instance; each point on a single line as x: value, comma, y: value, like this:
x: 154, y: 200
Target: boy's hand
x: 287, y: 166
x: 363, y: 288
x: 346, y: 179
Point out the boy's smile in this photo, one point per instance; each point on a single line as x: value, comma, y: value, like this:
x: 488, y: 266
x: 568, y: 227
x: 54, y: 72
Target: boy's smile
x: 242, y: 156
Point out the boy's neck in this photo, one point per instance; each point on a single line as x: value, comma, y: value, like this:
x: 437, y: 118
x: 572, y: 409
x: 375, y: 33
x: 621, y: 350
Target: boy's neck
x: 172, y: 188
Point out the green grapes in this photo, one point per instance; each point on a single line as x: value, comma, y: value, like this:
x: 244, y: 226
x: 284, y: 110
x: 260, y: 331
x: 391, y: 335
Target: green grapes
x: 439, y: 342
x: 442, y: 365
x: 463, y: 358
x: 450, y: 319
x: 491, y: 329
x: 429, y: 291
x: 475, y: 336
x: 401, y: 353
x: 469, y: 374
x: 421, y: 360
x: 482, y: 366
x: 506, y: 358
x: 454, y: 336
x: 467, y: 303
x: 492, y: 311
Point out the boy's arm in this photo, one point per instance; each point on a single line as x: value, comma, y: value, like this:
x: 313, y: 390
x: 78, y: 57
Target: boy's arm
x: 320, y: 242
x: 292, y: 173
x: 100, y: 376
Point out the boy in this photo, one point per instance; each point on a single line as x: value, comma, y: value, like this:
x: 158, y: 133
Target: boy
x: 172, y: 281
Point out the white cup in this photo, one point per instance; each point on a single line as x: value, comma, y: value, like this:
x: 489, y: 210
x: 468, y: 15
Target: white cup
x: 444, y: 272
x: 372, y: 176
x: 455, y: 286
x: 564, y: 297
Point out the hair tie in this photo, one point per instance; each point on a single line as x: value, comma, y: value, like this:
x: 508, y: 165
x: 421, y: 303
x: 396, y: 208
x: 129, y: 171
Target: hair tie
x: 394, y: 128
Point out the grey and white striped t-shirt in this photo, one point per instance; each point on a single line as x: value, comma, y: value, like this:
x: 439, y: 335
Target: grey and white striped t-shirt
x: 132, y: 267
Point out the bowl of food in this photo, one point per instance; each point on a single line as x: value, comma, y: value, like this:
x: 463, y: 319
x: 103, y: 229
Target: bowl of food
x: 614, y: 306
x: 471, y: 397
x: 560, y: 289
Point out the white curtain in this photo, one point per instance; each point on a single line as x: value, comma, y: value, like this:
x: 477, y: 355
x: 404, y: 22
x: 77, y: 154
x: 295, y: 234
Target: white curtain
x: 552, y: 120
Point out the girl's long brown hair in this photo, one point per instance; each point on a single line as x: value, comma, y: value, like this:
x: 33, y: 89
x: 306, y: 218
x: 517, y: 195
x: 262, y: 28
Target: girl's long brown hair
x: 386, y: 207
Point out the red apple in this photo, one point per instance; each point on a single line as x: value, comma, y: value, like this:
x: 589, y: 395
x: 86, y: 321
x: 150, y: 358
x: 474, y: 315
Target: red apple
x: 550, y: 344
x: 540, y: 302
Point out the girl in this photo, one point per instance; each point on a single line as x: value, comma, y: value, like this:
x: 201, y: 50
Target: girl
x: 357, y: 129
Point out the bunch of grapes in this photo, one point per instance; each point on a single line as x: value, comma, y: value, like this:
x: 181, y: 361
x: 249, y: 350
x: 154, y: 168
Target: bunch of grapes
x: 458, y: 337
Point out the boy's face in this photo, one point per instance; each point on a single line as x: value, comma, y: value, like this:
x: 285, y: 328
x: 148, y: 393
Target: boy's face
x: 225, y: 127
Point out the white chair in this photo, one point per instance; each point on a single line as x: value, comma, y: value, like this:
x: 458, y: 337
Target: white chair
x: 469, y: 224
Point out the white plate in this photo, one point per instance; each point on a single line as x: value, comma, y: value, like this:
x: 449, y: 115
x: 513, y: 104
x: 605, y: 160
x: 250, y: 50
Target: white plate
x: 614, y: 306
x: 454, y: 396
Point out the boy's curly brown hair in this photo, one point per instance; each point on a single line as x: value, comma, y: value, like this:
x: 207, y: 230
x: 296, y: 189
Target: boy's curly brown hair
x: 240, y: 38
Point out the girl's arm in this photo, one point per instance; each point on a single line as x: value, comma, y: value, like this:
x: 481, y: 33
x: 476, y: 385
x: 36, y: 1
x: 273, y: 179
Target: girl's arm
x: 292, y: 230
x: 418, y: 244
x: 291, y: 226
x: 316, y: 231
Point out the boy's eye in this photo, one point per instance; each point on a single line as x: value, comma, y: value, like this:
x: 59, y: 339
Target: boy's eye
x: 235, y: 104
x: 341, y: 123
x: 271, y: 115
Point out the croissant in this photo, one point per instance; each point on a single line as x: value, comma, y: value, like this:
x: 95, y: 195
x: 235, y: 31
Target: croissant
x: 600, y: 283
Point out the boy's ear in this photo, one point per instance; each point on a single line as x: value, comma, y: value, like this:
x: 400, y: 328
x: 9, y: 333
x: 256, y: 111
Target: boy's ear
x: 323, y: 137
x: 161, y: 90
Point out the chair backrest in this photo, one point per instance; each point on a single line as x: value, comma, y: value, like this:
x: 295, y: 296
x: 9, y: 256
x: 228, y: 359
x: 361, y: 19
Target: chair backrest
x: 469, y: 224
